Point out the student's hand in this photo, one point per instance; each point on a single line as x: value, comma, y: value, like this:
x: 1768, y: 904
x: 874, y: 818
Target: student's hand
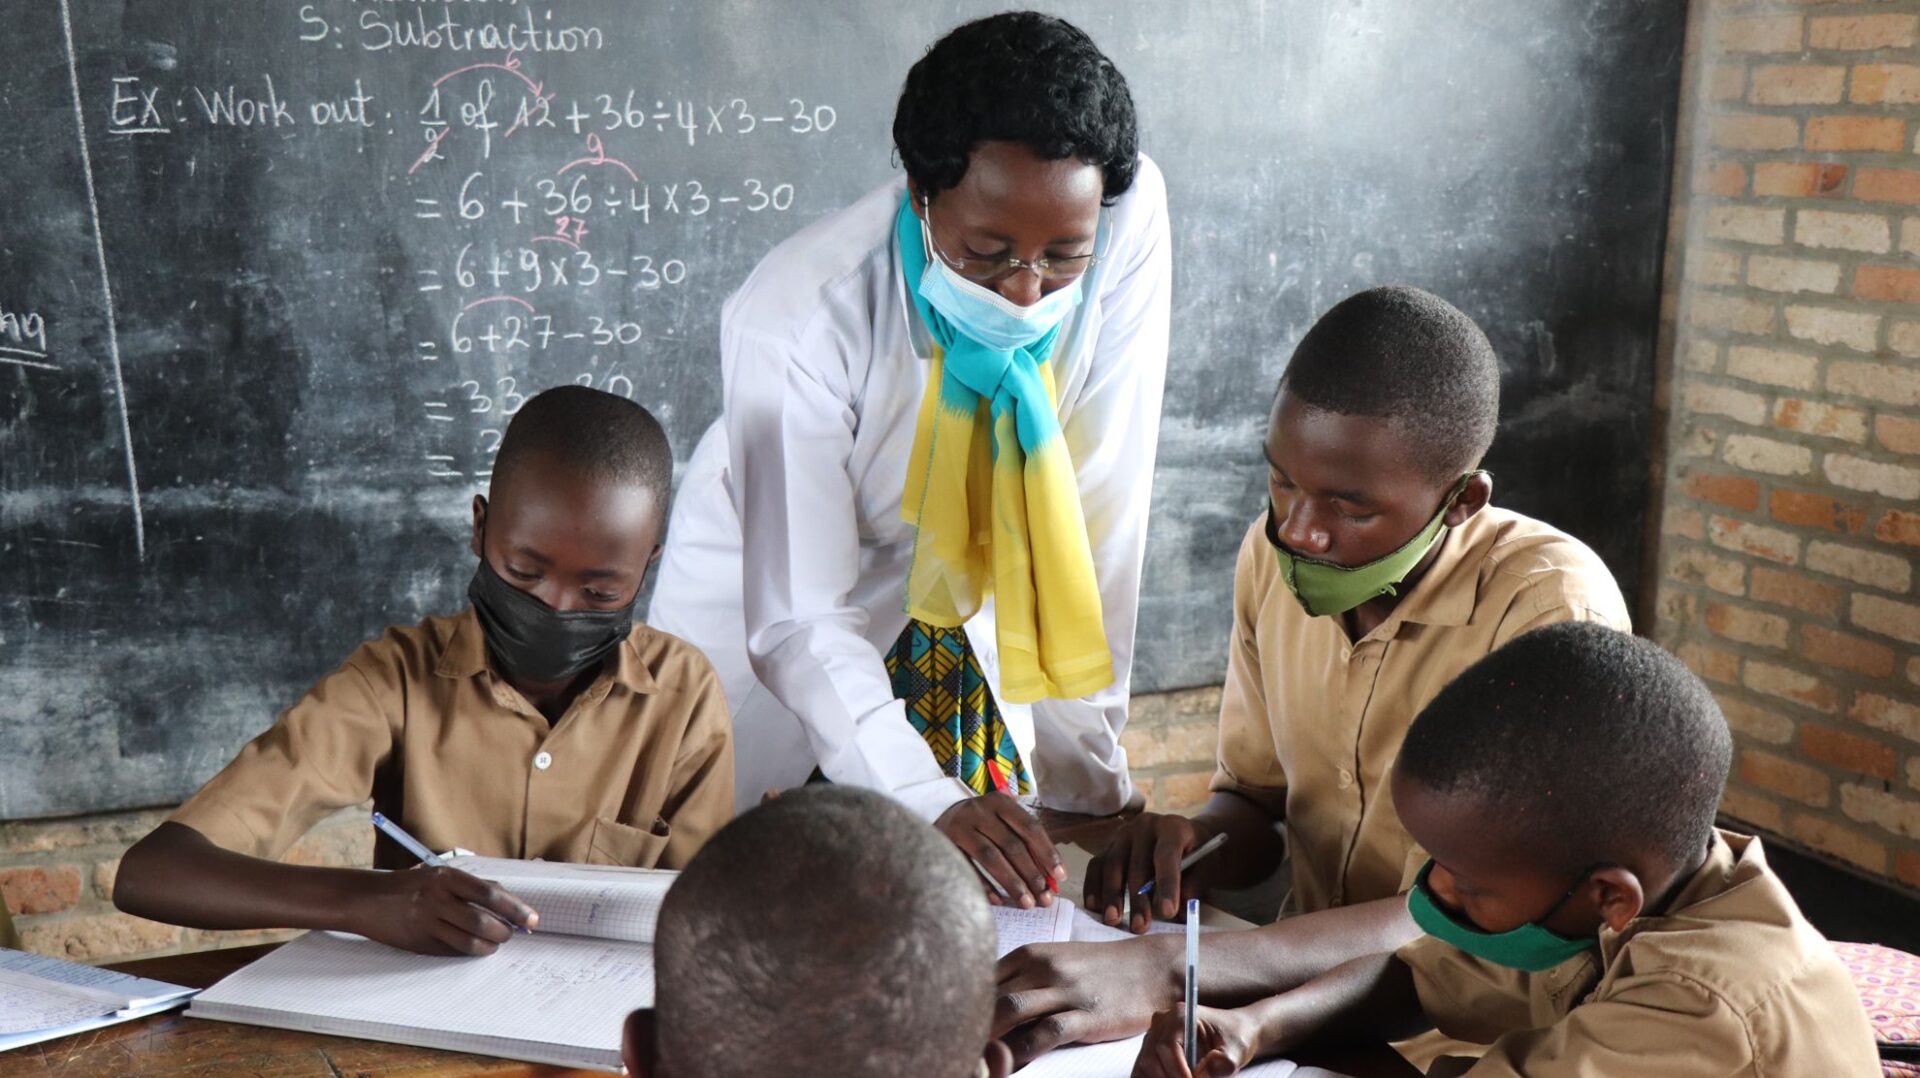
x: 1147, y: 847
x: 1008, y: 844
x: 440, y: 911
x: 1051, y: 994
x: 1228, y: 1040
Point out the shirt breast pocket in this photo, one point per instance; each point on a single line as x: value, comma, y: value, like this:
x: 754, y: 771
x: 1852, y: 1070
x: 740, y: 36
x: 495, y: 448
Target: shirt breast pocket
x: 616, y: 843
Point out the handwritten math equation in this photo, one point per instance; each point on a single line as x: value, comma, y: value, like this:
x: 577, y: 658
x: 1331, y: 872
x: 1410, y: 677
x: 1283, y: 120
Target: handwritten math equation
x: 556, y: 217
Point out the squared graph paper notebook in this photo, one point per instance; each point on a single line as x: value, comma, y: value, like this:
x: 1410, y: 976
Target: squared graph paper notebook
x: 558, y: 996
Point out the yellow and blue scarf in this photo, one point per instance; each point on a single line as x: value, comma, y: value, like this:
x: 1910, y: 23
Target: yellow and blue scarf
x: 992, y: 495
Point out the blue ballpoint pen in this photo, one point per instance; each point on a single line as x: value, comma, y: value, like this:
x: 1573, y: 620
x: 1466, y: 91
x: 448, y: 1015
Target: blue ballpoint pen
x: 433, y: 860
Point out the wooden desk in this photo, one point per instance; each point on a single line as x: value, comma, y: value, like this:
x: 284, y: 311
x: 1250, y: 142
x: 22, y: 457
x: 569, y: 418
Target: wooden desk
x: 171, y: 1046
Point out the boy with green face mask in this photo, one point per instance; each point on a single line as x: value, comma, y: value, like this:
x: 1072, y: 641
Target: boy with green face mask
x: 1579, y: 754
x: 1374, y: 573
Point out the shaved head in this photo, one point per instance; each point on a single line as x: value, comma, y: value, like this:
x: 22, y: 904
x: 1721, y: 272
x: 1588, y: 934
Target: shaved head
x: 829, y: 931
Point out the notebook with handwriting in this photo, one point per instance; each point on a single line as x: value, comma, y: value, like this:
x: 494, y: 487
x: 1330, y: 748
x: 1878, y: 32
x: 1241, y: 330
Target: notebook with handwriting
x: 557, y: 996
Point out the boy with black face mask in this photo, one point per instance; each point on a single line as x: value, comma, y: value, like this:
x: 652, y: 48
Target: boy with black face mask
x: 1583, y: 915
x: 540, y: 723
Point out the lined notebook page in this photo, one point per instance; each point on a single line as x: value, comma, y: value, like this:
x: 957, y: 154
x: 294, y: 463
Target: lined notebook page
x: 1089, y: 929
x: 1041, y: 924
x: 1114, y: 1059
x: 545, y: 988
x: 28, y: 1003
x: 602, y: 901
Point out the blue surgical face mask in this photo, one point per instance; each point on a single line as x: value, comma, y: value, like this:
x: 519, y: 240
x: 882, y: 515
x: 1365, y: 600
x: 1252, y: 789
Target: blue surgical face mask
x: 986, y: 316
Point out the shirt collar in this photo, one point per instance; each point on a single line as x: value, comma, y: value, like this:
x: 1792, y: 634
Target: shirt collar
x: 466, y: 656
x: 1714, y: 877
x: 1447, y: 592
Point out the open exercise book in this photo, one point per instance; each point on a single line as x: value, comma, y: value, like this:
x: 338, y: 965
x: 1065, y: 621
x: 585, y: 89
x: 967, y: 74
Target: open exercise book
x: 42, y: 998
x: 558, y: 996
x: 1063, y: 922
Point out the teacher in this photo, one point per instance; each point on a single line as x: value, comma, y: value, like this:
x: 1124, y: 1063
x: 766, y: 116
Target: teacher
x: 911, y: 544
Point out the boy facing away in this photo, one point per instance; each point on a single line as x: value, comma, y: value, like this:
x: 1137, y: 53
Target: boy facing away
x: 826, y: 932
x: 1582, y: 914
x: 540, y: 722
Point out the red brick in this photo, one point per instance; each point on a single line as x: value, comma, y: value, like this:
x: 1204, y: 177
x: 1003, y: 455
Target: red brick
x: 1727, y: 82
x: 1789, y: 684
x: 1894, y: 284
x: 1755, y: 132
x: 1727, y: 179
x: 1853, y: 653
x: 40, y: 888
x: 1758, y: 722
x: 1887, y: 134
x: 1752, y: 809
x: 1732, y: 491
x: 1746, y: 626
x: 1849, y: 752
x: 1780, y: 775
x: 1182, y: 791
x: 1798, y: 84
x: 98, y: 938
x: 1886, y: 84
x: 1887, y: 185
x: 1850, y: 32
x: 1821, y: 420
x: 1906, y: 866
x: 1898, y: 433
x: 1789, y: 179
x: 1840, y: 841
x: 1769, y: 543
x: 1787, y: 589
x: 1897, y: 717
x: 1714, y: 664
x: 1683, y: 521
x: 1815, y: 511
x: 1898, y: 526
x: 1771, y: 33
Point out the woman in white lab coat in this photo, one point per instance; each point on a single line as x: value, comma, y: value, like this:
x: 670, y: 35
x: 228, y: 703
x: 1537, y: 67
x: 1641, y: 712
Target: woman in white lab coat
x: 911, y: 544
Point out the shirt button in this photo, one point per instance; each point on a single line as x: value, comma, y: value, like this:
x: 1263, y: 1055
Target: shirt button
x: 543, y: 760
x: 1345, y: 777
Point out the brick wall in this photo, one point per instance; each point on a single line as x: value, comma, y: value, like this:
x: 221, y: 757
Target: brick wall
x: 57, y: 879
x: 56, y: 876
x: 1791, y: 395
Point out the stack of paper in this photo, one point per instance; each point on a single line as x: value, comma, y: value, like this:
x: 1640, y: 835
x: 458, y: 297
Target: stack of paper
x: 42, y: 998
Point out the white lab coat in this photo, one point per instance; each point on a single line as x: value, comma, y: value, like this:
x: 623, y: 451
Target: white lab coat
x: 786, y: 557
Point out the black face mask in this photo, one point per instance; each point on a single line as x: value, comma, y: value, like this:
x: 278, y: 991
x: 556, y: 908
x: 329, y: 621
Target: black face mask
x: 532, y: 641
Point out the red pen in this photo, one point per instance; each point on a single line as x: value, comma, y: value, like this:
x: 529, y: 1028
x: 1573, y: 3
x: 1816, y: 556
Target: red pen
x: 1000, y: 783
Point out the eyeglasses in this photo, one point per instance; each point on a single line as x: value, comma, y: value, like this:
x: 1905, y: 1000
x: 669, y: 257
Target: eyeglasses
x: 984, y: 270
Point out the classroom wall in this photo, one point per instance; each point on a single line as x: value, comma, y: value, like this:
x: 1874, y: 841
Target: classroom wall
x: 56, y: 876
x: 1790, y: 509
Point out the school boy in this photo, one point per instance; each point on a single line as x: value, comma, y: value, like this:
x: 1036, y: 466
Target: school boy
x: 1584, y: 917
x: 541, y: 722
x: 828, y: 931
x: 1377, y: 573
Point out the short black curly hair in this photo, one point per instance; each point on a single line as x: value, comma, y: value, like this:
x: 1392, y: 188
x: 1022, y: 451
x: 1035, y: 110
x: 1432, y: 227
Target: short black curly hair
x: 1015, y: 77
x: 1406, y: 355
x: 1592, y: 744
x: 592, y: 433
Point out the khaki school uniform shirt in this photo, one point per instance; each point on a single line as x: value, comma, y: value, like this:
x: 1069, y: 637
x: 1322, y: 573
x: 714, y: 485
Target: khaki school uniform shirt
x: 1732, y: 980
x: 638, y: 771
x: 1310, y: 720
x: 8, y: 937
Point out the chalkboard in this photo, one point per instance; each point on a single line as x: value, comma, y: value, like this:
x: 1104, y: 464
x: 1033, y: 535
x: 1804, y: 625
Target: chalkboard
x: 273, y: 276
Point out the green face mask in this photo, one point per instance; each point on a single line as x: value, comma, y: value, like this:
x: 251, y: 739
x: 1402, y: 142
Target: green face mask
x: 1325, y: 589
x: 1531, y: 948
